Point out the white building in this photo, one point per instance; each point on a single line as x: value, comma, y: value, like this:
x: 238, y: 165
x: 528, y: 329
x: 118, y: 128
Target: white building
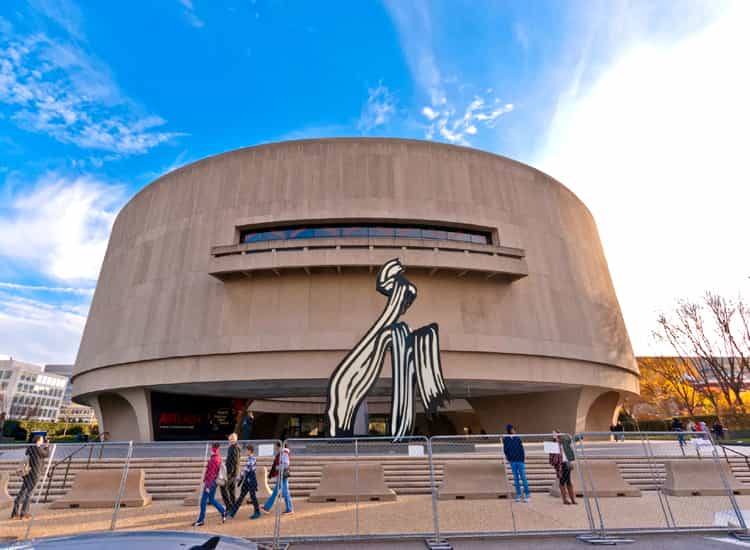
x: 70, y: 411
x: 29, y: 393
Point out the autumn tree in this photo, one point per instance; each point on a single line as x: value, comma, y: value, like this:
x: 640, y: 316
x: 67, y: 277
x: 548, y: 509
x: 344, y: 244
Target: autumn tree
x: 711, y: 338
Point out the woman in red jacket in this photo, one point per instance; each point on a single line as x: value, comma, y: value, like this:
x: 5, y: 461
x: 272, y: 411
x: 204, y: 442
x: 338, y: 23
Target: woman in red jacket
x: 209, y: 486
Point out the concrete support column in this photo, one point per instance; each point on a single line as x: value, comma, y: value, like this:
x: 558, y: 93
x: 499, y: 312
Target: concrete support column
x: 140, y: 400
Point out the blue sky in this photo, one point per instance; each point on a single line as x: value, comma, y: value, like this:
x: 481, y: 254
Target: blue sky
x: 639, y: 107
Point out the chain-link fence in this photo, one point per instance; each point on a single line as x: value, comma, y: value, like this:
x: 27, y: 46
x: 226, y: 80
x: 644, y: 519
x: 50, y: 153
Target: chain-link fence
x: 360, y: 488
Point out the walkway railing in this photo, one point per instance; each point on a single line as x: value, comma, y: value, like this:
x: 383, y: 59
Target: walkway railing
x: 444, y: 487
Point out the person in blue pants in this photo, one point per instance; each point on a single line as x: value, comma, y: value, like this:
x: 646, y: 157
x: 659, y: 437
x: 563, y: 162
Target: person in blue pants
x: 208, y: 494
x: 280, y: 470
x: 516, y: 456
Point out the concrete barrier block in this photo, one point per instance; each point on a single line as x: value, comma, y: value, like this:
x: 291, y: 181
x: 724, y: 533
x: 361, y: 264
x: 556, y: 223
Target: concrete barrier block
x: 695, y: 477
x: 602, y: 478
x: 99, y: 488
x: 343, y: 482
x: 474, y: 479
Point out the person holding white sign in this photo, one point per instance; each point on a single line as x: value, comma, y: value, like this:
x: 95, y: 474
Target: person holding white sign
x: 562, y: 461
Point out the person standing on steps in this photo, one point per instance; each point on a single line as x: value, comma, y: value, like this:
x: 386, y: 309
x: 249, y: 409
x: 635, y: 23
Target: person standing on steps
x: 516, y: 456
x: 562, y: 462
x: 209, y: 487
x: 31, y: 471
x: 246, y: 425
x: 280, y: 470
x: 248, y: 484
x: 228, y: 490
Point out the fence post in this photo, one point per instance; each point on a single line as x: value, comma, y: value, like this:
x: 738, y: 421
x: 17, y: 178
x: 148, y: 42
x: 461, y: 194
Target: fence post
x: 279, y: 496
x: 356, y: 487
x: 122, y: 486
x: 666, y: 508
x: 730, y: 492
x: 581, y: 454
x: 39, y: 490
x: 433, y: 486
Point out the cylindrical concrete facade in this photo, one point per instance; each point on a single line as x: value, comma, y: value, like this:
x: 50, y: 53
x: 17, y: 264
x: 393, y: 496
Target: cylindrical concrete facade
x: 530, y: 328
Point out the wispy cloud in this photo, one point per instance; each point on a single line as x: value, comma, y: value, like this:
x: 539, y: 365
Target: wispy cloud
x: 56, y: 88
x: 64, y: 13
x: 41, y: 288
x: 378, y: 109
x: 40, y: 332
x: 451, y: 114
x: 191, y: 15
x: 60, y: 226
x: 455, y: 126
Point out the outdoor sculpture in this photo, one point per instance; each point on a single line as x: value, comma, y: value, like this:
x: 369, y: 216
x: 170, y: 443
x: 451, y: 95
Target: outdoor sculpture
x: 415, y: 359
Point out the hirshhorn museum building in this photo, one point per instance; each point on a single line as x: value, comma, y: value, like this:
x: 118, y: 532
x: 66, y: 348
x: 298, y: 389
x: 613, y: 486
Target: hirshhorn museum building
x: 241, y: 281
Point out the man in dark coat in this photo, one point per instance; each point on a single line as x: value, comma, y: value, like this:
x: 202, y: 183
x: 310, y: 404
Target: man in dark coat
x: 36, y: 456
x: 232, y: 464
x: 516, y: 456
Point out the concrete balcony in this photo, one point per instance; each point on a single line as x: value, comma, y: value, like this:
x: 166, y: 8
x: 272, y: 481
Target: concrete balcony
x: 505, y: 263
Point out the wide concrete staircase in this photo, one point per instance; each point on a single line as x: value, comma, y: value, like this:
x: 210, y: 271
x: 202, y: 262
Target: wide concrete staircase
x: 174, y: 478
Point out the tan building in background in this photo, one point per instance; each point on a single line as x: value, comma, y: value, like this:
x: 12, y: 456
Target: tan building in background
x: 245, y: 278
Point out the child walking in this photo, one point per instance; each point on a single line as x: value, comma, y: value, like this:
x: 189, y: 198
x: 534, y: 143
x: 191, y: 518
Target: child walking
x: 248, y: 484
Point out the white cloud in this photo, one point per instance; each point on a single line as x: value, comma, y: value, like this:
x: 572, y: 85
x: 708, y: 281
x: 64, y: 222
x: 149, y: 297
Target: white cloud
x: 60, y: 226
x: 63, y: 12
x: 455, y: 126
x: 378, y: 110
x: 41, y: 288
x: 58, y: 89
x: 190, y: 14
x: 657, y: 149
x: 39, y: 332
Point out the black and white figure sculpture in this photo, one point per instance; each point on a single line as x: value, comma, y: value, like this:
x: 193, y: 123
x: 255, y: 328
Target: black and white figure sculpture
x: 415, y: 359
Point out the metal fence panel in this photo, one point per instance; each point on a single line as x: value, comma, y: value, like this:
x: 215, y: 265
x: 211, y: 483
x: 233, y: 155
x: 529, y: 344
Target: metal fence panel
x: 483, y: 456
x: 335, y: 516
x: 643, y: 498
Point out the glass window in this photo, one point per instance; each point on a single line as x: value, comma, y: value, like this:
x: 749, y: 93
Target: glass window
x: 382, y: 232
x: 409, y: 232
x: 304, y: 233
x: 354, y: 232
x: 326, y: 232
x: 433, y: 234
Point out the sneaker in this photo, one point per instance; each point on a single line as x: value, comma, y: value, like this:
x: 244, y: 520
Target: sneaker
x: 518, y: 499
x: 223, y: 518
x: 527, y: 498
x: 265, y: 511
x: 256, y: 515
x: 198, y: 524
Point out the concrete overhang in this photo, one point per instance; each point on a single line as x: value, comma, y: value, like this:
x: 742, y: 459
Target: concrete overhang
x: 462, y: 258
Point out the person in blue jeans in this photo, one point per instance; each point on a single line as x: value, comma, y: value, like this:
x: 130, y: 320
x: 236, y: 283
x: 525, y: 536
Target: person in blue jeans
x: 516, y: 456
x: 280, y: 470
x: 213, y: 467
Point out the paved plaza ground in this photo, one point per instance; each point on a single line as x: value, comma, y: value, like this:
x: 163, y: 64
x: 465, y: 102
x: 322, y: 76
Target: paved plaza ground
x: 408, y: 515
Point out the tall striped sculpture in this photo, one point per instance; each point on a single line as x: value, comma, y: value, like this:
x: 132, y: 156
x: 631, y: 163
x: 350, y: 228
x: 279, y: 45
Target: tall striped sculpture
x: 415, y: 360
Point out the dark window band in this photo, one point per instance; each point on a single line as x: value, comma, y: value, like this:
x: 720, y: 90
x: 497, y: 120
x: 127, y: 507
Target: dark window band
x: 368, y: 230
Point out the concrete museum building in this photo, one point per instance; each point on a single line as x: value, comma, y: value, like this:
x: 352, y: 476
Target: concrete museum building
x: 240, y: 281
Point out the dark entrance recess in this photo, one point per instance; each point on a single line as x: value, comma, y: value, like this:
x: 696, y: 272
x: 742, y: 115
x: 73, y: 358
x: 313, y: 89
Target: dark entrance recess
x: 179, y: 417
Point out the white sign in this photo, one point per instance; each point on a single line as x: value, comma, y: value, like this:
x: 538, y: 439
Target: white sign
x: 700, y: 442
x: 551, y: 447
x: 265, y: 449
x: 416, y: 450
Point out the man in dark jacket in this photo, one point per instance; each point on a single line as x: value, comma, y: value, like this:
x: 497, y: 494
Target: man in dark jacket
x: 36, y: 457
x: 516, y: 456
x: 232, y: 464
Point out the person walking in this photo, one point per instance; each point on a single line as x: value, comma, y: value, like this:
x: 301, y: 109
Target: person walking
x: 691, y: 425
x: 228, y: 490
x: 718, y: 430
x: 562, y: 462
x: 248, y: 484
x: 31, y: 471
x: 516, y: 456
x: 677, y: 427
x: 280, y: 471
x: 213, y: 467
